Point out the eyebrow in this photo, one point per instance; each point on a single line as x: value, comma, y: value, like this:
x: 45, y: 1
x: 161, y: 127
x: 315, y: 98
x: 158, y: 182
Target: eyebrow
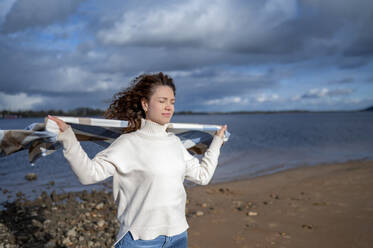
x: 163, y: 97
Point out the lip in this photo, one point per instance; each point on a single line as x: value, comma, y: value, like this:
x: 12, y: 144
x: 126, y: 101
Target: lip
x: 166, y: 114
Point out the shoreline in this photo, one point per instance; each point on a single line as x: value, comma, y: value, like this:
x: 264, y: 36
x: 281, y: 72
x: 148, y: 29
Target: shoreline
x: 324, y: 205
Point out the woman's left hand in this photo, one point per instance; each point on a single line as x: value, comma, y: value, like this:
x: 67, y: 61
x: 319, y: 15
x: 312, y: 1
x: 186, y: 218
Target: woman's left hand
x: 221, y: 131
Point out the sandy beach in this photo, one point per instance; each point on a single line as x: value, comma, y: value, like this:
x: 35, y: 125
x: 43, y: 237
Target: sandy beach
x: 316, y: 206
x: 319, y: 206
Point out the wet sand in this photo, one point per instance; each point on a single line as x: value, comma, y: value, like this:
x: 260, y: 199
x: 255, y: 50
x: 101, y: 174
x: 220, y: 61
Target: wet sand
x: 318, y: 206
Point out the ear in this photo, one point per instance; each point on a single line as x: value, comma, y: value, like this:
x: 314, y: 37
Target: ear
x: 144, y: 104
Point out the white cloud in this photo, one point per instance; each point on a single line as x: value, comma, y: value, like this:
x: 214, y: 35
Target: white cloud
x: 19, y: 101
x: 227, y: 100
x: 261, y: 98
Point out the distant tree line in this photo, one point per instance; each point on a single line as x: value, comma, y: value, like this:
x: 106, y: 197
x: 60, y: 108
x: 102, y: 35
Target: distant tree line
x: 44, y: 113
x: 99, y: 112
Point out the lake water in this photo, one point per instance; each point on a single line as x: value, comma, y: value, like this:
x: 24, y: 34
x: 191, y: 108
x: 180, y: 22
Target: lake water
x: 259, y: 144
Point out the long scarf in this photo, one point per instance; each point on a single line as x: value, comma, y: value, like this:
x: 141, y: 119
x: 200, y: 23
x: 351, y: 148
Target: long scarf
x: 41, y: 138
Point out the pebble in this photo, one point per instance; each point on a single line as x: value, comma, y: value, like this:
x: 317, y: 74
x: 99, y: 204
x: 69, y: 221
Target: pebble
x: 100, y: 223
x: 251, y: 213
x: 200, y: 213
x: 44, y: 222
x: 71, y: 232
x: 31, y: 176
x: 275, y: 196
x: 100, y: 206
x: 307, y: 226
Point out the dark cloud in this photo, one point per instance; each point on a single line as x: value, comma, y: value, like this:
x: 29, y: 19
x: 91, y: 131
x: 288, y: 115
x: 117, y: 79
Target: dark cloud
x: 214, y: 50
x: 26, y: 14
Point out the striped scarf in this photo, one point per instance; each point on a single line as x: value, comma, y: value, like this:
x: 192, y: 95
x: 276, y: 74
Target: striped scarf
x: 41, y: 138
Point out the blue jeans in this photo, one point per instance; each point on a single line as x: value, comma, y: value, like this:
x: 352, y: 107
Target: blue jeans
x: 162, y: 241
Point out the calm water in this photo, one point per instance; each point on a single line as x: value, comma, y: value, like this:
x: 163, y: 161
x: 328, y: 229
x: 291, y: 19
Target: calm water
x: 259, y: 144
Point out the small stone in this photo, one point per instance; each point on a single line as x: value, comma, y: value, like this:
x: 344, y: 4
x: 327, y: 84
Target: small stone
x: 274, y: 196
x: 237, y: 204
x: 204, y: 205
x: 47, y: 222
x: 31, y: 176
x: 71, y: 232
x: 67, y: 242
x: 100, y: 223
x: 37, y: 223
x: 306, y: 226
x: 251, y: 213
x: 200, y: 213
x: 284, y: 235
x: 100, y: 206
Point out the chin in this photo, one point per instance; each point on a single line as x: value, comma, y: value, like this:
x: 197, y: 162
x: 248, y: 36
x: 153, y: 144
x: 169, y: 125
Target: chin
x: 165, y: 119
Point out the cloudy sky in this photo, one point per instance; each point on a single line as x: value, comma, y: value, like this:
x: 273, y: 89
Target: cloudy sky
x: 224, y: 55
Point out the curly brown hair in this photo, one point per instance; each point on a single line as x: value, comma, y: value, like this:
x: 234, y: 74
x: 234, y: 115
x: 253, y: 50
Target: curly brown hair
x: 126, y: 104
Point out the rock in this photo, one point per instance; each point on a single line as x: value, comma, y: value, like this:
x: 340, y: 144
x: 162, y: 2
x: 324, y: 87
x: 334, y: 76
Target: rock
x: 100, y: 223
x: 274, y: 196
x: 37, y: 223
x: 100, y: 206
x: 71, y: 232
x: 67, y: 242
x: 204, y: 205
x: 251, y: 213
x: 200, y: 213
x: 306, y: 226
x: 226, y: 190
x: 46, y: 222
x: 31, y: 176
x: 237, y: 204
x: 284, y: 235
x: 249, y: 205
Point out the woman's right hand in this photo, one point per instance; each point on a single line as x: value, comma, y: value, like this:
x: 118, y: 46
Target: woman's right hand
x: 61, y: 124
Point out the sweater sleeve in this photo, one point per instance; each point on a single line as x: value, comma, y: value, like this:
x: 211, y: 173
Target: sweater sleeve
x: 202, y: 172
x: 88, y: 170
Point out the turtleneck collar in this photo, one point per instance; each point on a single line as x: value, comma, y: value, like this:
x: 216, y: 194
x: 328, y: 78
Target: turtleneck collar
x: 152, y: 128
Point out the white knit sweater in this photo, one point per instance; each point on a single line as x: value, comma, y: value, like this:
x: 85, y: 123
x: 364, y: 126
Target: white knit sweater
x: 148, y: 167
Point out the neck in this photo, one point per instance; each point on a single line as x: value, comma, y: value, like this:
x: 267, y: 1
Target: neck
x: 152, y: 128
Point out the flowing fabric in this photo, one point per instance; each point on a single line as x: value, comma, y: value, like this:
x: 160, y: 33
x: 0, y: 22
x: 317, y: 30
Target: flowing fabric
x: 41, y: 138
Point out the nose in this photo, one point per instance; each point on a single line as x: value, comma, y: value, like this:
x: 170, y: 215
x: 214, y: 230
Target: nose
x: 168, y: 106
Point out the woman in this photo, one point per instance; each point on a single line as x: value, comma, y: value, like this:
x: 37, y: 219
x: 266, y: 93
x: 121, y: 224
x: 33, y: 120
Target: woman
x: 148, y: 165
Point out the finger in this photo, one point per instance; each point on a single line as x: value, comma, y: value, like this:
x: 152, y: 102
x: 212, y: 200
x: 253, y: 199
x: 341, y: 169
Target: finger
x: 57, y: 120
